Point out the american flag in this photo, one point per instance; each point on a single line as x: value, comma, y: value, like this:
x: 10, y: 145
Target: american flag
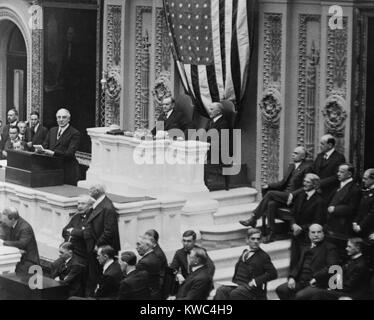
x: 211, y: 42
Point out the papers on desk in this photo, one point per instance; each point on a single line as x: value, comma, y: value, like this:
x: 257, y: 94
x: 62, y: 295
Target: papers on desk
x: 39, y: 148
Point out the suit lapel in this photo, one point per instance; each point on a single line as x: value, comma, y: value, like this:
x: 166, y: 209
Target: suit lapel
x: 96, y: 211
x: 65, y: 133
x: 170, y: 120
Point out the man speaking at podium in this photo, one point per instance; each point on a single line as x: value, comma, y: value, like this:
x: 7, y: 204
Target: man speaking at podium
x: 63, y: 141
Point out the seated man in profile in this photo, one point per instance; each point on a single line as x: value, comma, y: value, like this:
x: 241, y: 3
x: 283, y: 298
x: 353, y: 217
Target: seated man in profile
x: 69, y: 270
x: 21, y: 236
x: 200, y: 281
x: 13, y: 142
x: 252, y: 272
x: 170, y: 118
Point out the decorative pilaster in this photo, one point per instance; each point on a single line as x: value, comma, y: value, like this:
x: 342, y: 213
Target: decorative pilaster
x: 270, y: 103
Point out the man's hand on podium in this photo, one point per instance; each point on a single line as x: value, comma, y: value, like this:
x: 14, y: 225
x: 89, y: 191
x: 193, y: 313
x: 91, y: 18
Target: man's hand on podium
x: 49, y: 152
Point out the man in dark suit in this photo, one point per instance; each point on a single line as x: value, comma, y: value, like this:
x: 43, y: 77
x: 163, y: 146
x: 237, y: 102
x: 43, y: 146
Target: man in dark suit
x: 253, y: 271
x: 363, y: 223
x: 108, y: 284
x: 63, y: 141
x: 150, y: 263
x: 311, y: 273
x: 69, y: 270
x: 21, y: 236
x: 134, y: 285
x: 73, y: 231
x: 281, y: 193
x: 326, y: 165
x: 154, y: 237
x: 173, y: 121
x: 199, y: 282
x: 354, y: 279
x: 13, y: 142
x: 101, y: 228
x: 12, y: 122
x: 180, y: 263
x: 343, y: 203
x: 309, y: 208
x: 37, y: 132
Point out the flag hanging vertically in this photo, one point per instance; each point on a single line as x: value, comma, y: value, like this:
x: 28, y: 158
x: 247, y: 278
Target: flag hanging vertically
x: 211, y: 42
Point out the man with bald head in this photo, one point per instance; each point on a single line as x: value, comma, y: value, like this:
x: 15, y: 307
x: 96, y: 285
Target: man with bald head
x: 281, y: 193
x: 63, y: 141
x: 311, y: 272
x: 21, y: 235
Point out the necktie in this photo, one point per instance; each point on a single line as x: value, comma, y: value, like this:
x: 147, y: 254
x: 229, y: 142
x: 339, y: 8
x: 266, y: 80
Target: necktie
x: 247, y: 255
x: 325, y: 156
x: 59, y: 133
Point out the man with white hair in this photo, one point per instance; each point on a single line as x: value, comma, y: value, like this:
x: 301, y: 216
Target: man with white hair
x: 63, y: 141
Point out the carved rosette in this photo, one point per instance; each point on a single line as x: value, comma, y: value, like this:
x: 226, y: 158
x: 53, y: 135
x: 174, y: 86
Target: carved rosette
x: 335, y: 115
x: 270, y: 103
x: 308, y: 75
x: 113, y: 54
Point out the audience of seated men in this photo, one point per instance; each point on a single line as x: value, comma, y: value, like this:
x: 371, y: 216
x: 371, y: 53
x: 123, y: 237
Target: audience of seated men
x: 253, y: 271
x: 199, y: 282
x: 352, y: 282
x: 20, y: 235
x: 311, y: 271
x: 326, y: 165
x: 12, y: 117
x: 69, y: 270
x: 24, y: 133
x: 134, y: 285
x: 363, y: 224
x: 13, y: 142
x: 150, y: 263
x: 181, y: 260
x: 309, y: 208
x: 281, y: 193
x: 341, y: 207
x: 154, y: 237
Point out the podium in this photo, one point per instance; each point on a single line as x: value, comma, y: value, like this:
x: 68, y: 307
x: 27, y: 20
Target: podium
x: 34, y: 170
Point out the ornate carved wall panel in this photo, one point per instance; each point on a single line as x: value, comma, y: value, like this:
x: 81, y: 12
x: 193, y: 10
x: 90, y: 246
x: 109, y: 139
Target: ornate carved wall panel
x: 141, y: 68
x: 37, y: 71
x: 334, y: 109
x: 308, y: 79
x: 270, y: 103
x: 113, y: 65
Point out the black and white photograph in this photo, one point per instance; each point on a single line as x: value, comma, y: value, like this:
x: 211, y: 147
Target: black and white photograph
x: 207, y: 151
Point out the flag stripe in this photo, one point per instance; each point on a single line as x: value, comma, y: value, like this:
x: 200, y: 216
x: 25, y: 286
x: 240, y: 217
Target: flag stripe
x: 196, y: 88
x: 229, y: 89
x: 217, y: 49
x: 243, y: 39
x: 235, y: 63
x: 222, y: 39
x: 203, y: 85
x: 187, y: 69
x: 182, y: 74
x: 212, y: 82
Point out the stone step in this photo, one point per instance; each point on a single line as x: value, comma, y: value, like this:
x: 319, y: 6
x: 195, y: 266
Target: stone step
x: 234, y: 213
x: 234, y: 196
x: 225, y: 258
x: 227, y: 232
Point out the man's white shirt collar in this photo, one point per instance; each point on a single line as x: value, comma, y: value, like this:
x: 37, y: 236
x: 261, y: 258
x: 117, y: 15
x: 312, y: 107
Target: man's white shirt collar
x: 297, y: 164
x: 343, y: 183
x: 13, y: 124
x: 216, y: 118
x: 62, y: 129
x: 107, y: 264
x: 196, y: 268
x: 97, y: 202
x: 356, y: 256
x: 328, y: 153
x: 169, y: 113
x: 36, y: 127
x: 310, y: 193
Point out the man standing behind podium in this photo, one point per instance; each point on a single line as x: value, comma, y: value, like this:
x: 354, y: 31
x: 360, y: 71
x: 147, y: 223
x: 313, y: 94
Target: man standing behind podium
x: 21, y: 236
x: 63, y: 141
x: 38, y: 133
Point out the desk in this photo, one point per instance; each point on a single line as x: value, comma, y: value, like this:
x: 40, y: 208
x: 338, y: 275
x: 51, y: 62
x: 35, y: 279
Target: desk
x: 13, y: 287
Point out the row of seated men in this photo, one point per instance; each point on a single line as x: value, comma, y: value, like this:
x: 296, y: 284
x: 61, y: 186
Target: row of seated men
x: 323, y: 192
x: 311, y: 275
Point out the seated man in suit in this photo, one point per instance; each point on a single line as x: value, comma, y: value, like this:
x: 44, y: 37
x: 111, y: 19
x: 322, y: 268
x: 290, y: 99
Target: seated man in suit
x: 37, y: 132
x: 309, y: 208
x: 74, y: 231
x: 63, y: 141
x: 342, y: 204
x: 326, y: 165
x: 355, y: 275
x: 13, y: 142
x: 150, y: 263
x: 134, y: 285
x: 253, y: 271
x: 181, y: 260
x: 199, y: 282
x: 108, y: 284
x: 311, y: 273
x: 171, y: 119
x: 12, y: 116
x: 154, y: 236
x: 21, y: 236
x: 24, y: 133
x: 69, y: 270
x: 363, y: 223
x: 281, y: 193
